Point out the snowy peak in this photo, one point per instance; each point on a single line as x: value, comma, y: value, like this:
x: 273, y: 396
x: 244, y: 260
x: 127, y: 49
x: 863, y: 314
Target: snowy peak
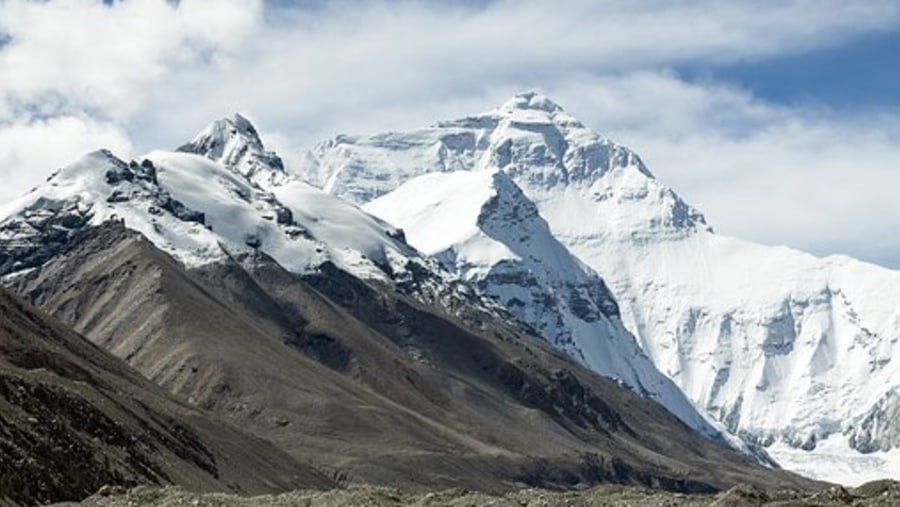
x: 543, y: 149
x: 235, y: 143
x: 200, y: 212
x: 529, y: 110
x: 97, y: 188
x: 479, y: 218
x: 213, y: 140
x: 535, y: 139
x: 226, y: 140
x: 530, y: 101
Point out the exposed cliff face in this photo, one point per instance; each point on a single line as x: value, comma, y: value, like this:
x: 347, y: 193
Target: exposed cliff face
x: 75, y: 418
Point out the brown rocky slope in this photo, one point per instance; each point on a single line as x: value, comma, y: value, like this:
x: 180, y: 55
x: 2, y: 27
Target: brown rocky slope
x: 74, y: 418
x: 369, y: 384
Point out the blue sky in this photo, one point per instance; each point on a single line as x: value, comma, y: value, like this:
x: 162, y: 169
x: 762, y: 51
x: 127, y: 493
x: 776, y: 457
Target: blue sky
x: 861, y: 73
x: 779, y: 120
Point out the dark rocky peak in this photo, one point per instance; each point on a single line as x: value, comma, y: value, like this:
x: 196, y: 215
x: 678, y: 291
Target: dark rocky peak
x: 235, y: 143
x: 212, y: 141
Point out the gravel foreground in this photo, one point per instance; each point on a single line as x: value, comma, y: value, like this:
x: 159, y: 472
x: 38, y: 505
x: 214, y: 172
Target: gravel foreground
x: 878, y: 493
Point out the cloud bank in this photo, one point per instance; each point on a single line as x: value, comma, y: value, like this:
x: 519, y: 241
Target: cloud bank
x: 76, y: 75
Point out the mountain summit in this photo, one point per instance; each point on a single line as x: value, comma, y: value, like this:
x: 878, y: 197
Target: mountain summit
x: 530, y: 100
x: 545, y: 150
x: 234, y: 142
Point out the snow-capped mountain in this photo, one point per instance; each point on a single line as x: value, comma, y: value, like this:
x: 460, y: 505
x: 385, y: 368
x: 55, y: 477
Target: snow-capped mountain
x: 197, y: 210
x: 223, y: 195
x: 344, y: 366
x: 789, y: 349
x: 206, y: 208
x: 480, y: 226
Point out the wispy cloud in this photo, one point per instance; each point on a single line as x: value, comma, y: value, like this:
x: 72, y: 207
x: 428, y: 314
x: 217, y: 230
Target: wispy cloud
x: 76, y: 74
x: 68, y: 55
x: 31, y: 149
x: 796, y: 176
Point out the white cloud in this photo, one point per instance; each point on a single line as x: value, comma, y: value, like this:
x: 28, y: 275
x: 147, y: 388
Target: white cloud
x: 30, y: 151
x: 376, y: 65
x: 144, y: 57
x: 78, y: 74
x: 83, y: 55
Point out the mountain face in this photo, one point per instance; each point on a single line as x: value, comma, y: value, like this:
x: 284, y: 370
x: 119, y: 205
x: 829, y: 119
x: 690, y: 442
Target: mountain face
x: 614, y: 355
x: 481, y: 226
x: 317, y: 327
x: 73, y: 418
x: 781, y: 347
